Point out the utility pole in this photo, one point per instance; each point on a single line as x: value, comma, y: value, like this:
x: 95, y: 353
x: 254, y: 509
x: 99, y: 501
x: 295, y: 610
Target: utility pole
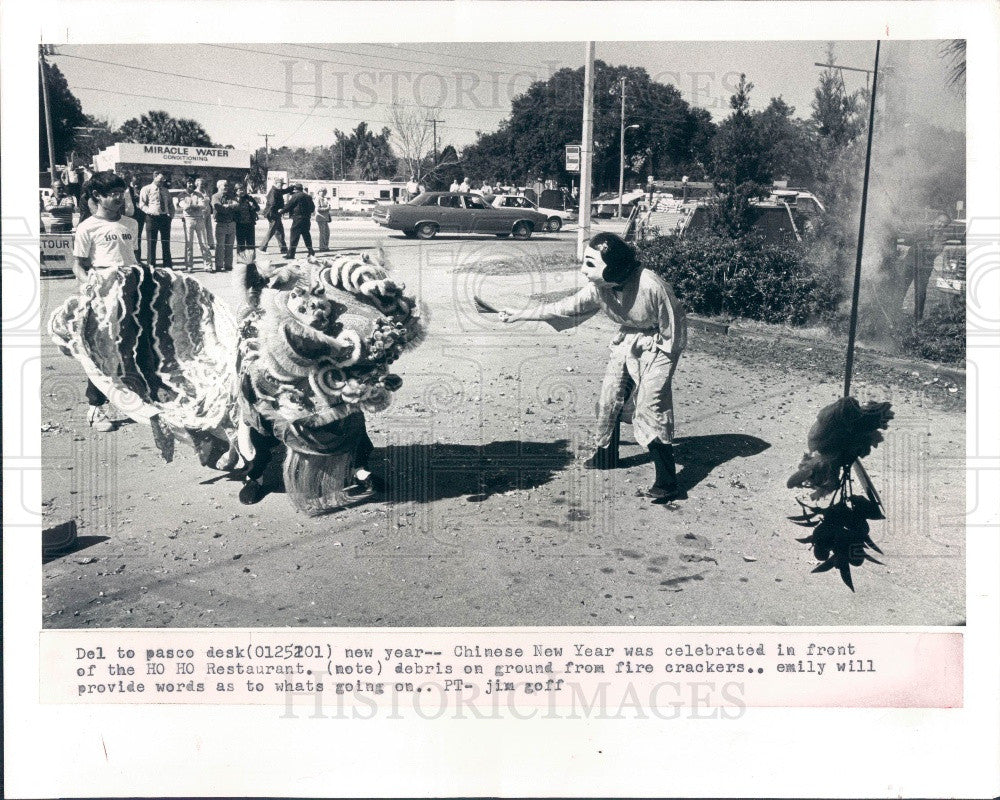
x: 621, y: 153
x: 267, y: 151
x: 435, y: 122
x: 48, y: 112
x: 586, y: 152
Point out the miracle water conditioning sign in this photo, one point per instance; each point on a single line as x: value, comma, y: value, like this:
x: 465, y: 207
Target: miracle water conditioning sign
x: 166, y: 154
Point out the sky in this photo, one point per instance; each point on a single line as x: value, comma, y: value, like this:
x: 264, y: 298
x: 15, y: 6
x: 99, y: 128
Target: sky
x: 299, y: 93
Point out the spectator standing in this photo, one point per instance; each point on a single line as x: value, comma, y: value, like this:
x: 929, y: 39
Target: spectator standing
x: 464, y: 186
x: 412, y: 188
x: 201, y: 186
x: 137, y: 213
x: 247, y: 210
x: 273, y: 207
x: 486, y: 190
x: 60, y: 206
x: 194, y: 208
x: 224, y: 206
x: 323, y: 216
x: 454, y: 186
x: 300, y: 208
x: 156, y: 202
x: 105, y: 240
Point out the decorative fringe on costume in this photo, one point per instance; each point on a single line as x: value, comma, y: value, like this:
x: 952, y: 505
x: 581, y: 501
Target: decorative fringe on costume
x: 309, y: 356
x: 161, y: 347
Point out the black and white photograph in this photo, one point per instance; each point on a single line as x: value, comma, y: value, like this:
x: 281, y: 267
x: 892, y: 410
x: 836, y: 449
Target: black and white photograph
x: 445, y: 334
x: 500, y: 399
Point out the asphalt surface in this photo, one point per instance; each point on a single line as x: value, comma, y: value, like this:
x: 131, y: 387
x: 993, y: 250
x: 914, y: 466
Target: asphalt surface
x: 489, y: 518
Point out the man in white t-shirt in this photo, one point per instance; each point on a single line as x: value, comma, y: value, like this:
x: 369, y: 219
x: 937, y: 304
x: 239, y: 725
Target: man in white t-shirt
x: 105, y: 240
x: 412, y: 188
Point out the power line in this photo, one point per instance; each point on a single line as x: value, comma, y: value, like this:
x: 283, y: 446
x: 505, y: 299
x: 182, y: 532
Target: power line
x: 283, y: 111
x: 285, y: 92
x: 426, y: 52
x: 367, y: 57
x: 465, y: 57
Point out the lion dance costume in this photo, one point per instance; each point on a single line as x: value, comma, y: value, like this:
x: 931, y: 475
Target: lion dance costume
x: 309, y: 355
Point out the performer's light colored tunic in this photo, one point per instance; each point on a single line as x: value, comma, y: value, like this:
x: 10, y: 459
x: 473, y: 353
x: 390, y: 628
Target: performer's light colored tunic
x: 644, y: 353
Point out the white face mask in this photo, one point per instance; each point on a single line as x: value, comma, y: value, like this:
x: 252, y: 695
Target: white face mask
x: 594, y: 266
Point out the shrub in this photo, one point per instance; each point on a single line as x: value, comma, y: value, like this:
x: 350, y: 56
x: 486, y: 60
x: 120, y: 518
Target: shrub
x: 744, y: 277
x: 940, y: 335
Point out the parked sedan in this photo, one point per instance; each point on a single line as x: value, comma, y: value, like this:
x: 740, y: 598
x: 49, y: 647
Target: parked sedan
x: 554, y: 217
x: 431, y: 213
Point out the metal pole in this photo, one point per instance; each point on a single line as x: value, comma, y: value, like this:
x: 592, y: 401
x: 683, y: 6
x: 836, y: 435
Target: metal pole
x: 48, y: 114
x: 586, y: 152
x: 849, y: 367
x: 621, y: 154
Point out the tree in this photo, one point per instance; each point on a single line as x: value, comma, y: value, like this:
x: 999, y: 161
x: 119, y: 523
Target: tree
x: 954, y: 51
x: 159, y: 127
x: 67, y: 114
x: 741, y: 165
x: 789, y: 142
x: 414, y: 136
x: 740, y: 155
x: 838, y: 115
x: 364, y: 155
x: 91, y: 138
x: 491, y: 157
x: 314, y: 163
x: 670, y: 140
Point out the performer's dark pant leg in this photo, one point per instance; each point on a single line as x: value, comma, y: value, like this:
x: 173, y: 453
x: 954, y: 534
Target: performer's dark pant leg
x: 277, y: 230
x: 666, y: 469
x: 300, y: 229
x: 263, y: 446
x: 363, y: 451
x: 95, y: 397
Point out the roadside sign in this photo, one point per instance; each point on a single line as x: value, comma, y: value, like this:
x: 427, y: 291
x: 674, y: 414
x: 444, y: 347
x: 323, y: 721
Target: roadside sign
x: 56, y: 251
x: 572, y: 158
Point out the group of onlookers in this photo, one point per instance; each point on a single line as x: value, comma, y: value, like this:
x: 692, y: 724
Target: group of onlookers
x: 220, y: 223
x: 297, y: 204
x: 486, y: 190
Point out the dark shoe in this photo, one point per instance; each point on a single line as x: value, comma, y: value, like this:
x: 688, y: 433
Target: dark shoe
x: 661, y: 494
x: 603, y: 458
x: 252, y: 492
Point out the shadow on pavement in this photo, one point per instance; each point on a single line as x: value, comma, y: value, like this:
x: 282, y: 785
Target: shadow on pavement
x: 699, y: 455
x: 80, y: 543
x: 423, y: 473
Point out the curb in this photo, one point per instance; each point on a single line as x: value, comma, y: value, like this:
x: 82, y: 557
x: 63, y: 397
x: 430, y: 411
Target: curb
x: 951, y: 372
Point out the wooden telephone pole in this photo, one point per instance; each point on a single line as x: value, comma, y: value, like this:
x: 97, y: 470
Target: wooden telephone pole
x: 586, y: 152
x: 42, y: 68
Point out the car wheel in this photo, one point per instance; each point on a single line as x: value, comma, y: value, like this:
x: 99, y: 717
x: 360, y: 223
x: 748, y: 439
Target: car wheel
x: 426, y: 230
x: 522, y: 230
x: 555, y: 224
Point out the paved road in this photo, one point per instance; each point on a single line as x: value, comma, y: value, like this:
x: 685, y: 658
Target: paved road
x: 489, y: 518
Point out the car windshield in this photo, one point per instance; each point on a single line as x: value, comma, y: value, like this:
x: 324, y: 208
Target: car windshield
x: 422, y: 199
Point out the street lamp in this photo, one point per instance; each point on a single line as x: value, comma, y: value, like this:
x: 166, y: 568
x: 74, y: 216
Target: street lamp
x: 621, y: 161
